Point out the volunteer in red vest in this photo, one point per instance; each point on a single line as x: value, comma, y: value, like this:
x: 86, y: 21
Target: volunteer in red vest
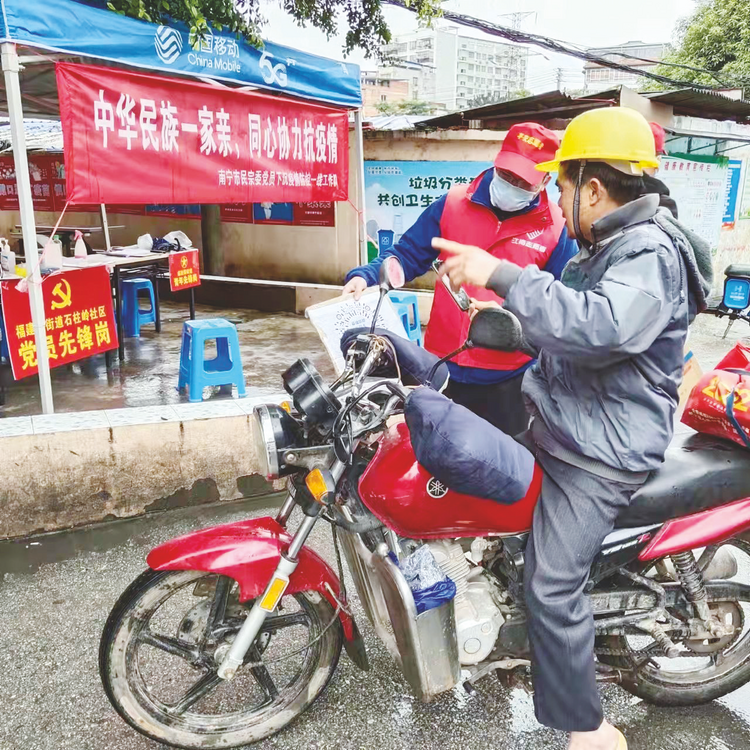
x: 505, y: 211
x: 651, y: 183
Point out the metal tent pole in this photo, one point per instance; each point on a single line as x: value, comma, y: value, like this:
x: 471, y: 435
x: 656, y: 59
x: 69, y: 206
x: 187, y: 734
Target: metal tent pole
x: 361, y: 186
x: 36, y: 302
x: 105, y: 227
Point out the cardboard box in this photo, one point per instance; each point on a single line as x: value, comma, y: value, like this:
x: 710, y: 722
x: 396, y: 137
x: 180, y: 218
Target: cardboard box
x: 691, y: 374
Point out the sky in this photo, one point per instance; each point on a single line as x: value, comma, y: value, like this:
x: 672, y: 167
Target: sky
x: 580, y: 22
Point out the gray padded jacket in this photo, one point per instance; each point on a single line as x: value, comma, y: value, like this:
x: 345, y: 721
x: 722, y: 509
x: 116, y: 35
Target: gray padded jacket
x: 610, y: 337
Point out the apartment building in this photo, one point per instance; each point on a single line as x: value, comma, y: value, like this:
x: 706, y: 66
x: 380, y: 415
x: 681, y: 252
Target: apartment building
x: 464, y: 67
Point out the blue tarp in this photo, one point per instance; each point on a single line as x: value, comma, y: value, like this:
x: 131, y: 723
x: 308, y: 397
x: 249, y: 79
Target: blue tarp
x: 89, y: 30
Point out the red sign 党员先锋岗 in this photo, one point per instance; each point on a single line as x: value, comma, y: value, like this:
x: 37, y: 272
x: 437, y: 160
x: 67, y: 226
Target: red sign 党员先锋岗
x: 184, y: 270
x: 80, y: 321
x: 194, y: 143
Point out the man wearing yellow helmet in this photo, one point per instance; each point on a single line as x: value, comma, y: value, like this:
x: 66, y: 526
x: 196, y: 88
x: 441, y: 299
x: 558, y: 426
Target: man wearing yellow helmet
x: 610, y: 336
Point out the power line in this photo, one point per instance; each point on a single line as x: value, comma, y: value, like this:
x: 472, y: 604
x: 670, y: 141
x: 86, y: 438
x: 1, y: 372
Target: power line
x: 554, y: 45
x: 669, y: 64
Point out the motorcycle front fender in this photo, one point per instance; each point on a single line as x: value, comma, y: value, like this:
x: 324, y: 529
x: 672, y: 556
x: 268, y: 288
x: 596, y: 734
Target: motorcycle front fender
x: 248, y: 552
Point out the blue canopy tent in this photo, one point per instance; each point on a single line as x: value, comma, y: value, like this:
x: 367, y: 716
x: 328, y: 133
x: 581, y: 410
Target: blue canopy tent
x: 87, y: 30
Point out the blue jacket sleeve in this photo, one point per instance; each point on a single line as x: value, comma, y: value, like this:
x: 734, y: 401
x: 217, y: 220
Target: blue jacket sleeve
x: 565, y: 249
x: 414, y: 249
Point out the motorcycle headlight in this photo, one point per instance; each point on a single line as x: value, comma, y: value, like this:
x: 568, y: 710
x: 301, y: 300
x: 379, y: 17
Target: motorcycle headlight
x: 275, y: 433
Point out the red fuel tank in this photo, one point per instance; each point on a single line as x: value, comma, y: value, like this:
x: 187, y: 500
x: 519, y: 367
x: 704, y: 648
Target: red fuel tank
x: 407, y: 499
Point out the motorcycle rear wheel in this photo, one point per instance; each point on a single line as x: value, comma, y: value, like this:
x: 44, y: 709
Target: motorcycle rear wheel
x: 692, y: 680
x: 152, y: 650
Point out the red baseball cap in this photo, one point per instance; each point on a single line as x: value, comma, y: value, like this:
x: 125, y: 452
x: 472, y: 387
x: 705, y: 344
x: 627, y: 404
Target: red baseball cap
x: 660, y: 138
x: 526, y: 145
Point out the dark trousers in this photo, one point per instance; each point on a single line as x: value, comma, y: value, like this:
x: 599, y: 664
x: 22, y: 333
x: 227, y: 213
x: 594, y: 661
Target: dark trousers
x: 501, y: 404
x: 576, y: 510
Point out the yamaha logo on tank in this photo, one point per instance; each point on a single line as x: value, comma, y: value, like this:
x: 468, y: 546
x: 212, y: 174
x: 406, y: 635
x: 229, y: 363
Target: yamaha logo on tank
x: 168, y: 43
x: 436, y: 489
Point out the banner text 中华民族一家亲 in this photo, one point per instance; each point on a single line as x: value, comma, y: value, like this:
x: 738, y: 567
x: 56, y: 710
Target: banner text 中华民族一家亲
x: 194, y: 143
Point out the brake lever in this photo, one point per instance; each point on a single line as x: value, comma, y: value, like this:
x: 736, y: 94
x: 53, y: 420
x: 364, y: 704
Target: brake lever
x: 397, y: 389
x: 399, y: 394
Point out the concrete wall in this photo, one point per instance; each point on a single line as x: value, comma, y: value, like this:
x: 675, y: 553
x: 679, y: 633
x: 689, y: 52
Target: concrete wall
x: 652, y: 111
x: 734, y: 247
x: 734, y: 244
x: 311, y: 254
x: 443, y: 145
x: 135, y: 226
x: 67, y: 470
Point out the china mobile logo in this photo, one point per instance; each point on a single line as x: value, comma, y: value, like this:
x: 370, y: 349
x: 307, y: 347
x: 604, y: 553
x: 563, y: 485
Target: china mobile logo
x: 168, y: 43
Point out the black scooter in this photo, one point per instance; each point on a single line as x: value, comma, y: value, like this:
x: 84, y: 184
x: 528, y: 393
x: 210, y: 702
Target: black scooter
x: 735, y: 303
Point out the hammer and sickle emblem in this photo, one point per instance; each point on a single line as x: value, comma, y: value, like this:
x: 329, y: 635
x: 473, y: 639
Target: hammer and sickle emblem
x: 184, y: 261
x: 62, y: 295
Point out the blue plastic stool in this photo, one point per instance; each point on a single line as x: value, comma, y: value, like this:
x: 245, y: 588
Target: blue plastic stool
x: 225, y: 369
x: 133, y: 315
x: 408, y: 308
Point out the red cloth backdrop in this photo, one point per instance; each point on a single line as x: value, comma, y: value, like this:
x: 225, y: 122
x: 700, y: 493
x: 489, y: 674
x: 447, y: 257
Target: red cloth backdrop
x: 79, y: 318
x: 132, y: 138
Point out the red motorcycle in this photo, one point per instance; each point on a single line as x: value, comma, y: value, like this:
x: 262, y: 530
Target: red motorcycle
x: 234, y: 631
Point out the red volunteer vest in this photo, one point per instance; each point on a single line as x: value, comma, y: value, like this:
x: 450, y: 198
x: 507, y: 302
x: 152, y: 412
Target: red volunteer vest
x: 528, y: 239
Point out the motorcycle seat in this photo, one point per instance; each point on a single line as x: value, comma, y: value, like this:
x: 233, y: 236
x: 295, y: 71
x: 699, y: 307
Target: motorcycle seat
x: 737, y: 271
x: 699, y: 472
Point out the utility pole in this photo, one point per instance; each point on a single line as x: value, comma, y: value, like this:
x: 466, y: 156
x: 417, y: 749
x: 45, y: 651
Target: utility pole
x: 516, y: 51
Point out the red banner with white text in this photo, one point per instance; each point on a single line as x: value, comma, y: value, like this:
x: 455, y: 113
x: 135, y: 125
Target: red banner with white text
x: 134, y: 138
x: 80, y: 320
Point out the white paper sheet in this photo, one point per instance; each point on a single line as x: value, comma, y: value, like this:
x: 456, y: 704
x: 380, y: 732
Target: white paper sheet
x: 129, y: 251
x: 333, y: 318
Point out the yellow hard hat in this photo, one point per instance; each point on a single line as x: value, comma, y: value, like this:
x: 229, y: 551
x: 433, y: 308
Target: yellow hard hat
x: 614, y: 134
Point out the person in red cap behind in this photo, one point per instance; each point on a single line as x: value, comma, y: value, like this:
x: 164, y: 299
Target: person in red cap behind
x: 505, y: 211
x: 651, y: 183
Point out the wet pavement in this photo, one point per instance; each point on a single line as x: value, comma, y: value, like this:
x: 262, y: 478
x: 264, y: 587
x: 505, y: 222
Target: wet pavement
x: 707, y: 342
x: 269, y: 343
x: 56, y: 591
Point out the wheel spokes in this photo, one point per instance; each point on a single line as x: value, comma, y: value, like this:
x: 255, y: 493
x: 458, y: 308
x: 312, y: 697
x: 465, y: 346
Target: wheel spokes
x: 278, y: 622
x: 171, y: 646
x: 262, y: 675
x: 218, y: 608
x: 199, y: 690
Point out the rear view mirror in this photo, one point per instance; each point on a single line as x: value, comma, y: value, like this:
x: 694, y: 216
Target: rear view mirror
x: 495, y: 328
x: 392, y: 273
x: 391, y: 277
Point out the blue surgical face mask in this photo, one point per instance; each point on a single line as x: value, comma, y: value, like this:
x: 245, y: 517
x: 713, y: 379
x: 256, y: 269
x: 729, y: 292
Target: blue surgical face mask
x: 508, y: 197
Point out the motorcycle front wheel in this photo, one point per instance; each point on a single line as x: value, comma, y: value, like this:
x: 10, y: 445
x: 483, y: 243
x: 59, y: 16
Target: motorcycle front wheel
x: 158, y: 659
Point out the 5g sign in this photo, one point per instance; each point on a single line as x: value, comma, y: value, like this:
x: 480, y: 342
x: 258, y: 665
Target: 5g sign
x: 272, y: 73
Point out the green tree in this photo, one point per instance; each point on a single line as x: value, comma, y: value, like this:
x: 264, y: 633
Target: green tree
x: 715, y: 39
x: 366, y: 24
x: 491, y: 97
x: 410, y: 107
x: 497, y: 98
